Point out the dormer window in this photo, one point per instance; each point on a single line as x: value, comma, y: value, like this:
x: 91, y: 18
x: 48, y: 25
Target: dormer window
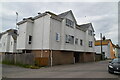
x: 69, y: 23
x: 90, y: 32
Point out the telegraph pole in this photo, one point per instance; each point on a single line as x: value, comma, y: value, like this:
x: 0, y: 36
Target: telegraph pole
x: 16, y: 29
x: 101, y: 45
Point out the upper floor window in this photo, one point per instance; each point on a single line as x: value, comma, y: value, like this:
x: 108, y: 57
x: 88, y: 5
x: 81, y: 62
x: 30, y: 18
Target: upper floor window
x: 90, y: 43
x: 4, y: 44
x: 69, y: 39
x: 81, y: 42
x: 0, y: 45
x: 57, y: 37
x: 69, y: 23
x: 11, y: 43
x: 30, y: 39
x: 76, y: 41
x: 90, y: 32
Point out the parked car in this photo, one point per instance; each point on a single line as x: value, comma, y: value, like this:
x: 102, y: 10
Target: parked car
x: 114, y: 66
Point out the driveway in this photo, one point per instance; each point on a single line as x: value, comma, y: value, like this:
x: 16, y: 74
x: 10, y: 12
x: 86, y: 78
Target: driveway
x: 79, y: 70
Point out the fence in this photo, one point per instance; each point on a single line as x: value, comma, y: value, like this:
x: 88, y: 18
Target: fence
x: 98, y: 57
x: 27, y: 58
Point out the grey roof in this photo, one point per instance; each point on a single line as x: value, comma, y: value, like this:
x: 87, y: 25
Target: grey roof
x: 62, y: 15
x: 30, y: 19
x: 12, y: 32
x: 59, y: 17
x: 54, y: 16
x: 84, y: 27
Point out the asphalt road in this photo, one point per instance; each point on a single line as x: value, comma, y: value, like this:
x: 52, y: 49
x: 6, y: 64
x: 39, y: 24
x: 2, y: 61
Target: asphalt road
x: 79, y: 70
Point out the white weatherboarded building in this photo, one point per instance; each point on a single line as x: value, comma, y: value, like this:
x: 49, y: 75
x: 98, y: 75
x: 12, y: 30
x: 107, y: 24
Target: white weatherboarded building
x: 8, y: 41
x: 56, y: 37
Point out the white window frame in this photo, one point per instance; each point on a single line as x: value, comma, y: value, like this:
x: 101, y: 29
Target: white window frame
x: 70, y: 23
x: 90, y: 32
x: 69, y: 39
x: 30, y: 40
x: 90, y: 43
x: 76, y: 40
x: 57, y: 36
x: 81, y: 42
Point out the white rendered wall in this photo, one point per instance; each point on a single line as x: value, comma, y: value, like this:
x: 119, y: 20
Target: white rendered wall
x: 105, y: 49
x: 80, y: 35
x: 41, y: 32
x: 21, y: 38
x: 11, y: 45
x: 87, y: 39
x: 55, y: 27
x: 4, y: 43
x: 29, y: 32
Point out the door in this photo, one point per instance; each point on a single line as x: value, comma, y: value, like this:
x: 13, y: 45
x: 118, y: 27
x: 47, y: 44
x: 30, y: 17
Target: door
x: 77, y: 57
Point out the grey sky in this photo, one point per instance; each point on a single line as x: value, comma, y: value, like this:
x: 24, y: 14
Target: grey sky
x: 103, y: 15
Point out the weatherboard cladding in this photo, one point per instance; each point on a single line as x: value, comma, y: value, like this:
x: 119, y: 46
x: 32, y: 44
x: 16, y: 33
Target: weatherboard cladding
x: 59, y: 17
x: 12, y: 32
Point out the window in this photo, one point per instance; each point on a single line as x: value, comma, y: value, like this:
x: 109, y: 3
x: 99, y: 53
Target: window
x: 69, y: 23
x: 11, y: 43
x: 76, y: 41
x: 4, y: 44
x: 90, y: 43
x: 81, y: 42
x: 57, y: 37
x: 90, y: 32
x: 69, y: 39
x: 30, y: 39
x: 0, y: 45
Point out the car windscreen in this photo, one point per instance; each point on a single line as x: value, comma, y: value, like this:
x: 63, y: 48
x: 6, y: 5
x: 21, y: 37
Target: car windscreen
x: 116, y: 60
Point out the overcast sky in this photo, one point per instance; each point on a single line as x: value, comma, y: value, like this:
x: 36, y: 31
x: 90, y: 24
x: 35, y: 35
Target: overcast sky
x: 103, y: 15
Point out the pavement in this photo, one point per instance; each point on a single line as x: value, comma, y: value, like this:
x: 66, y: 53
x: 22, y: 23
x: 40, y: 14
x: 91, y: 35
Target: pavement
x: 79, y: 70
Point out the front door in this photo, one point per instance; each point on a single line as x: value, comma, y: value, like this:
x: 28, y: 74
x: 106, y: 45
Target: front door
x: 77, y: 57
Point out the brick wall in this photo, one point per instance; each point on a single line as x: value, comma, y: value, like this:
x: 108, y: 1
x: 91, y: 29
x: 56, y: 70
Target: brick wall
x: 87, y: 57
x: 41, y: 53
x: 42, y: 57
x: 62, y: 57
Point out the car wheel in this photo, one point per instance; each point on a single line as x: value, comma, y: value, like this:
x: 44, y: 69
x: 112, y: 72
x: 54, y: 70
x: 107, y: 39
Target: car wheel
x: 110, y: 72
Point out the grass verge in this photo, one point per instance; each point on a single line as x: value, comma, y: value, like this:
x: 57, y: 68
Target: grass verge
x: 21, y: 65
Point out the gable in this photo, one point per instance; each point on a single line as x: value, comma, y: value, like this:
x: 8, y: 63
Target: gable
x: 91, y: 27
x: 70, y: 16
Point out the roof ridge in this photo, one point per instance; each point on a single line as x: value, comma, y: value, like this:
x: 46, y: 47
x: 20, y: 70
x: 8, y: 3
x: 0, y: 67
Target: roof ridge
x: 64, y: 12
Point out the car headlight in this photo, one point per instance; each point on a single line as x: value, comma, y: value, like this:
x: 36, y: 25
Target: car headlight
x: 110, y: 66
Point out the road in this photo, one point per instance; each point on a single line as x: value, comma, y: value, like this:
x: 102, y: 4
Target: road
x: 79, y: 70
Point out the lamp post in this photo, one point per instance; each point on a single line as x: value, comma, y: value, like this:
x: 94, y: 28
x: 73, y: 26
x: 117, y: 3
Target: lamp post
x: 16, y: 19
x: 16, y: 29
